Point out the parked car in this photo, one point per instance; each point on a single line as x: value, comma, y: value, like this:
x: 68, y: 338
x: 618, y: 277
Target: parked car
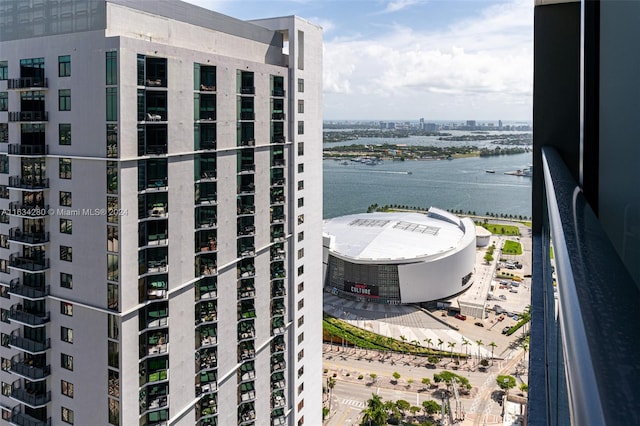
x: 479, y: 324
x: 460, y: 317
x: 513, y: 290
x: 505, y: 330
x: 515, y: 318
x: 503, y: 297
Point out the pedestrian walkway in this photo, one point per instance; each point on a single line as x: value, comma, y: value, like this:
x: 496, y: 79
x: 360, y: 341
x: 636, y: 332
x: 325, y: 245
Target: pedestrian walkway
x: 414, y: 324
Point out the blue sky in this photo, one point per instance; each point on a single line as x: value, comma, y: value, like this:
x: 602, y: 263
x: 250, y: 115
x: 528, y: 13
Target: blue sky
x: 406, y: 59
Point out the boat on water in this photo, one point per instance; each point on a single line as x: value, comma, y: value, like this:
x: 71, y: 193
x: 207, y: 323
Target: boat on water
x: 345, y: 163
x: 490, y: 171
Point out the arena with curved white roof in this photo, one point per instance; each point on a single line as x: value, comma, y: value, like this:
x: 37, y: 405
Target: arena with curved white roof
x: 395, y: 258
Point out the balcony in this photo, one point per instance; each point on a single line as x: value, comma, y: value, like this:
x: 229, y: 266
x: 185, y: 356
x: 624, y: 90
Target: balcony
x: 28, y: 292
x: 35, y: 319
x: 246, y: 250
x: 28, y: 116
x: 31, y: 210
x: 278, y: 289
x: 246, y: 209
x: 26, y: 83
x: 246, y: 230
x: 32, y: 398
x: 247, y: 115
x: 278, y: 139
x: 247, y: 142
x: 207, y: 336
x: 277, y: 116
x: 248, y: 90
x: 27, y: 264
x: 277, y: 162
x: 584, y: 359
x: 247, y: 168
x: 28, y: 150
x: 33, y: 238
x: 278, y: 363
x: 208, y: 383
x: 206, y: 312
x: 28, y: 345
x: 29, y: 183
x: 28, y: 370
x: 246, y: 291
x: 277, y: 399
x: 21, y: 419
x: 206, y: 359
x: 206, y: 407
x: 276, y: 182
x: 278, y: 92
x: 155, y: 343
x: 206, y: 288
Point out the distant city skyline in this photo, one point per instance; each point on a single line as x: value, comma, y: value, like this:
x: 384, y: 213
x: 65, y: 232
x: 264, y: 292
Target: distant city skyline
x: 406, y: 59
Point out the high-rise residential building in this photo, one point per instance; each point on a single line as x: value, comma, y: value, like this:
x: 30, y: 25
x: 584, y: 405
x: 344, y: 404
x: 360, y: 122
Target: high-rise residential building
x: 585, y: 293
x: 160, y: 239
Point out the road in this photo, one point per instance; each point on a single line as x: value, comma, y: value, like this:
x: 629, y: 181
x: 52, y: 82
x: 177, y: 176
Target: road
x: 350, y: 393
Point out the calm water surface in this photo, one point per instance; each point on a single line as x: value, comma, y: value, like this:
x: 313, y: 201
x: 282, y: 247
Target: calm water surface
x: 456, y: 184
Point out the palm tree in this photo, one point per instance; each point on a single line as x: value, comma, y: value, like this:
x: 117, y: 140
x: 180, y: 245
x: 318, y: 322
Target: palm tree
x: 493, y: 346
x: 376, y: 412
x: 465, y: 343
x: 440, y: 342
x: 331, y: 383
x: 451, y: 345
x: 480, y: 343
x: 429, y: 342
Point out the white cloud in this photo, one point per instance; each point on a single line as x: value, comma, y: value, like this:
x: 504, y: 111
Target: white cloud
x: 326, y: 24
x: 486, y: 60
x: 396, y: 5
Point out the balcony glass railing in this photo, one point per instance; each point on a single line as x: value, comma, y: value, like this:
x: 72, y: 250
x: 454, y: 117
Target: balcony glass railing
x: 22, y: 419
x: 28, y: 345
x: 22, y: 149
x: 16, y: 116
x: 584, y: 359
x: 27, y: 263
x: 29, y: 370
x: 29, y: 292
x: 28, y: 182
x: 25, y: 317
x: 16, y: 234
x: 27, y: 83
x: 31, y: 398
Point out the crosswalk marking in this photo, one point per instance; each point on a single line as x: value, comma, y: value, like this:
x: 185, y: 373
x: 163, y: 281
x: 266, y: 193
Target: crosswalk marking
x: 354, y: 403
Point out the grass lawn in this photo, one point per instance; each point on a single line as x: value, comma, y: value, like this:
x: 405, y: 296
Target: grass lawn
x: 512, y: 247
x: 502, y: 229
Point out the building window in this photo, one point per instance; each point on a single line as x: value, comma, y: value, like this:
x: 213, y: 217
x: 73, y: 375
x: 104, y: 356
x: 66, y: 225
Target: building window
x: 112, y: 104
x: 301, y: 287
x: 301, y: 202
x: 300, y: 236
x: 64, y: 100
x: 64, y: 134
x: 300, y: 219
x: 300, y: 129
x: 112, y: 238
x: 301, y: 421
x: 65, y: 226
x: 300, y: 354
x: 6, y: 389
x: 66, y: 253
x: 66, y: 361
x: 300, y: 388
x: 4, y: 241
x: 66, y: 334
x: 4, y: 101
x: 112, y: 140
x: 4, y: 132
x: 66, y: 309
x: 65, y: 168
x: 6, y: 364
x: 300, y: 304
x: 301, y: 85
x: 300, y: 270
x: 65, y: 199
x: 301, y: 168
x: 301, y: 338
x: 300, y: 185
x: 4, y: 164
x: 113, y: 272
x: 4, y: 340
x: 67, y: 415
x: 301, y: 253
x: 113, y: 355
x: 113, y: 299
x: 113, y: 327
x: 114, y: 412
x: 300, y: 148
x: 112, y: 68
x: 4, y: 315
x: 4, y: 268
x: 112, y: 177
x: 300, y: 106
x: 64, y: 66
x: 4, y: 70
x: 66, y: 388
x: 66, y: 280
x: 301, y: 321
x: 300, y: 371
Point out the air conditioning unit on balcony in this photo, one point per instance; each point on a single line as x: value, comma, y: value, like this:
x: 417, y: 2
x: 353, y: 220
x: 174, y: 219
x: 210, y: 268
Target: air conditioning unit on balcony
x: 157, y: 210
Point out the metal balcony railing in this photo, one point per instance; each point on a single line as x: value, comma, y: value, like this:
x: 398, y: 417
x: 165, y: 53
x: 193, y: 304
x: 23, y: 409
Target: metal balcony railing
x: 584, y: 360
x: 27, y: 83
x: 22, y: 149
x: 15, y: 116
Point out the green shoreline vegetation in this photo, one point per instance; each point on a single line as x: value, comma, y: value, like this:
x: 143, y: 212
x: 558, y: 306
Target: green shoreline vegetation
x: 402, y: 152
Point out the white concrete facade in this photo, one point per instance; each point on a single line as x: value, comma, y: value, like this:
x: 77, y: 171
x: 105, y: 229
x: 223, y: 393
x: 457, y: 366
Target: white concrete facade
x: 399, y: 257
x: 143, y: 276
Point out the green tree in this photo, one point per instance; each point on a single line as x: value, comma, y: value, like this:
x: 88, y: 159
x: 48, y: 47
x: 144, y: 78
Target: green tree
x: 431, y: 407
x: 466, y: 343
x: 432, y: 359
x: 524, y: 387
x: 426, y: 381
x: 409, y: 382
x: 480, y: 343
x: 376, y: 413
x: 331, y: 383
x: 396, y: 376
x: 440, y: 342
x: 451, y: 346
x: 493, y: 346
x: 403, y: 406
x: 428, y: 341
x: 506, y: 382
x: 374, y: 377
x: 488, y: 258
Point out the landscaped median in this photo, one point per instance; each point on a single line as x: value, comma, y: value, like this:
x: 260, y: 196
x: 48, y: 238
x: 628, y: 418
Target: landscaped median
x: 335, y: 331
